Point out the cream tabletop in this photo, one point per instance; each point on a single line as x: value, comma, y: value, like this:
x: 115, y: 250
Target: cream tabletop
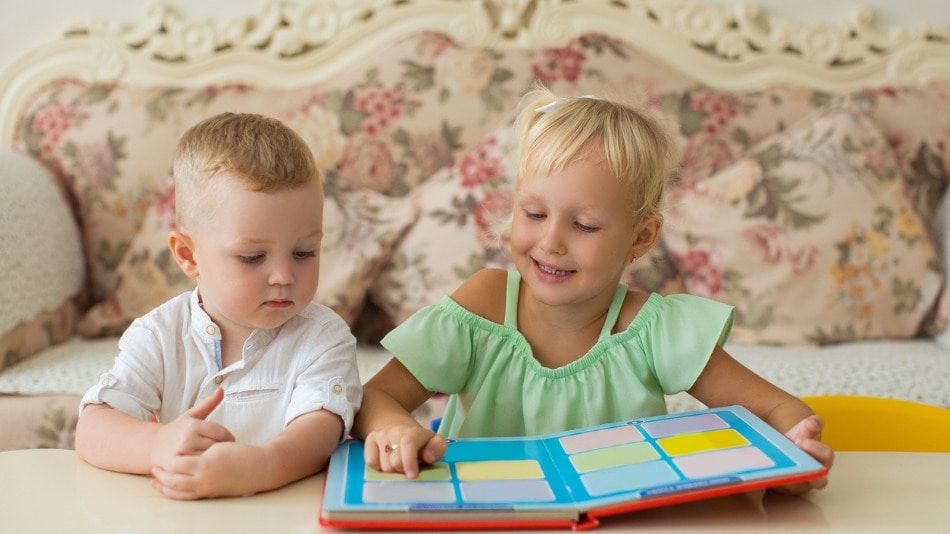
x: 54, y: 491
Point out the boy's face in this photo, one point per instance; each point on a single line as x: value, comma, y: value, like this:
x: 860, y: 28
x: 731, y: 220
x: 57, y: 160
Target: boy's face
x: 571, y: 233
x: 257, y: 255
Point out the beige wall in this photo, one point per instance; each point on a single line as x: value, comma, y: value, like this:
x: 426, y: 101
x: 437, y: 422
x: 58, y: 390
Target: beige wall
x: 25, y: 24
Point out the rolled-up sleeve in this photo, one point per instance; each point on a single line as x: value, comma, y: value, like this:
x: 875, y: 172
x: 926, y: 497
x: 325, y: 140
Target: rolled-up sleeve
x: 331, y: 378
x: 134, y: 384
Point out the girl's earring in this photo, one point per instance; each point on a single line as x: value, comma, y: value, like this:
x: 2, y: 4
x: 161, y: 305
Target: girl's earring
x: 633, y: 259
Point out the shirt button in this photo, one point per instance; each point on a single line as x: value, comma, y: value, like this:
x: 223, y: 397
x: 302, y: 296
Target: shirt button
x: 337, y: 388
x: 211, y: 330
x: 218, y: 379
x: 107, y: 380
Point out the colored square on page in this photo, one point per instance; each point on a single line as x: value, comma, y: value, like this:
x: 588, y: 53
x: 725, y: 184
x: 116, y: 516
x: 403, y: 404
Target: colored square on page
x: 701, y: 442
x: 499, y: 470
x: 506, y: 491
x: 688, y: 424
x: 436, y: 471
x: 714, y: 463
x: 409, y: 492
x: 631, y: 453
x: 599, y: 439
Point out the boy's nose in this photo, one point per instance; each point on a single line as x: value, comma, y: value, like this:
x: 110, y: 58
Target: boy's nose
x: 281, y: 274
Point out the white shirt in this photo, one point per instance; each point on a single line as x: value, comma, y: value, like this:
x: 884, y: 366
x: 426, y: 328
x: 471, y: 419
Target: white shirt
x: 166, y: 364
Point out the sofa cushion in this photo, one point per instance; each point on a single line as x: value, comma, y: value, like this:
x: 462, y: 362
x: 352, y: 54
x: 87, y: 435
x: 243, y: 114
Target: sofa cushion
x: 456, y: 231
x: 812, y: 236
x: 916, y: 123
x: 360, y: 228
x: 42, y: 264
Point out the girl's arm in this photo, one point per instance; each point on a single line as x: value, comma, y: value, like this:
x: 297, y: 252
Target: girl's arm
x: 394, y: 440
x: 725, y: 381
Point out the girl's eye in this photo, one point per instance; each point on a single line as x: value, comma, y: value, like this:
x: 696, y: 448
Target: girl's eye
x: 585, y: 228
x: 535, y: 216
x: 304, y: 254
x: 255, y: 258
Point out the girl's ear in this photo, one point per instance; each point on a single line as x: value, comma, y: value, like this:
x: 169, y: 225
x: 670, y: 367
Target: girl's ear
x: 183, y: 251
x: 646, y: 237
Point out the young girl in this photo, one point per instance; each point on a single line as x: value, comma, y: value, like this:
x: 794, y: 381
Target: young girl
x: 560, y: 343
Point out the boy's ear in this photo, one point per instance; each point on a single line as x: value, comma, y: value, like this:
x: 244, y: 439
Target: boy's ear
x: 646, y: 237
x: 183, y: 251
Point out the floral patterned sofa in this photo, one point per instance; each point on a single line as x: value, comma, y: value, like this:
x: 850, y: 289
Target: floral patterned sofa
x: 810, y: 192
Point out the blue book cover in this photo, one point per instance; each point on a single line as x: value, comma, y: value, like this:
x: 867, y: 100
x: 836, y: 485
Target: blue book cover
x: 568, y: 478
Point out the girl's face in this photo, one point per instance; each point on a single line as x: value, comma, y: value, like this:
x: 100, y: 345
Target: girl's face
x: 572, y: 235
x: 258, y: 254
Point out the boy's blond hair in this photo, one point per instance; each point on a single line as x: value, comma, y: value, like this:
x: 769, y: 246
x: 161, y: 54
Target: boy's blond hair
x: 557, y: 131
x: 264, y: 153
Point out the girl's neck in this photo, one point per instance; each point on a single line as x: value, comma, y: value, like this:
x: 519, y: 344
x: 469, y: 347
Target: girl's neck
x: 559, y: 335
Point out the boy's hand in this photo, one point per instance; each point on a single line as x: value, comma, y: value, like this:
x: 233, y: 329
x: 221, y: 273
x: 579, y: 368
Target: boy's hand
x: 224, y: 470
x: 807, y: 435
x: 189, y: 434
x: 399, y: 449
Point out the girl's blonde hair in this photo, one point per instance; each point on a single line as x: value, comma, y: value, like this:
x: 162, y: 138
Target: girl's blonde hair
x: 264, y: 153
x: 557, y: 131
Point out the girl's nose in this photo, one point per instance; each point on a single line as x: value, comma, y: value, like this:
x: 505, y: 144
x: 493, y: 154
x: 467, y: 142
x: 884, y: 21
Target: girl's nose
x: 552, y: 240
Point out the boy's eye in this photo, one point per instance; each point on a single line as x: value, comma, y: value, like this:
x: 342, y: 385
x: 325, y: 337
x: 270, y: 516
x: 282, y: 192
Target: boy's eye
x: 254, y: 258
x: 304, y: 254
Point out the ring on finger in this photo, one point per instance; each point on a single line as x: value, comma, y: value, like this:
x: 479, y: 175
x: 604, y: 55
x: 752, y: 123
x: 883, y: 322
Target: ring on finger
x: 390, y: 447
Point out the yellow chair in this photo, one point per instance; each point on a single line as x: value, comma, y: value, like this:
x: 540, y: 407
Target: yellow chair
x: 855, y: 423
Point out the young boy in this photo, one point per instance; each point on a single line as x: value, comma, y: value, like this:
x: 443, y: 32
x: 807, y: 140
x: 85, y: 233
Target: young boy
x: 251, y: 383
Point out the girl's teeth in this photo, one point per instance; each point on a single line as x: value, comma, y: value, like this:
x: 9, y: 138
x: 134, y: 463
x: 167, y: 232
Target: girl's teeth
x: 553, y: 271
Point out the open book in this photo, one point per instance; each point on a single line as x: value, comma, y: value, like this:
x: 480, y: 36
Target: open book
x: 568, y: 479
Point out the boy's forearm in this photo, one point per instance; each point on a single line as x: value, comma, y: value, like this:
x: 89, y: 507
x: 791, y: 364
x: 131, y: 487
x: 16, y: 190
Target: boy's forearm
x: 301, y: 449
x: 110, y: 439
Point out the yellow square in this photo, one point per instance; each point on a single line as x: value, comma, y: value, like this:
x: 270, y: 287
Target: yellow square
x: 499, y: 470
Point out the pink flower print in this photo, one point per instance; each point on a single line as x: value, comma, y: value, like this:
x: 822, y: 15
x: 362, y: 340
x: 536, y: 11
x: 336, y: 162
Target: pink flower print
x: 902, y: 143
x: 431, y: 151
x: 236, y: 88
x: 367, y: 164
x: 432, y: 44
x: 719, y: 108
x: 702, y: 277
x: 381, y: 104
x: 490, y: 213
x: 481, y: 165
x: 803, y: 259
x: 52, y: 121
x: 702, y: 156
x: 559, y: 64
x: 767, y: 240
x: 165, y: 207
x: 876, y: 157
x: 886, y: 92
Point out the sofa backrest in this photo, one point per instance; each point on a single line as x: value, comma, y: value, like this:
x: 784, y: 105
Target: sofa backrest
x: 408, y: 111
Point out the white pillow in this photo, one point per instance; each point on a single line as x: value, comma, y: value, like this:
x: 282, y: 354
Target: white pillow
x: 41, y: 255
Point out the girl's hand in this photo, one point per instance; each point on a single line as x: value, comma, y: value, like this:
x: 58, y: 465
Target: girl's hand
x: 807, y: 435
x: 399, y: 449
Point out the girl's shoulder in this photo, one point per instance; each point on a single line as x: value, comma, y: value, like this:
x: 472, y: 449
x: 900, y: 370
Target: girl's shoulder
x: 483, y: 294
x: 632, y: 304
